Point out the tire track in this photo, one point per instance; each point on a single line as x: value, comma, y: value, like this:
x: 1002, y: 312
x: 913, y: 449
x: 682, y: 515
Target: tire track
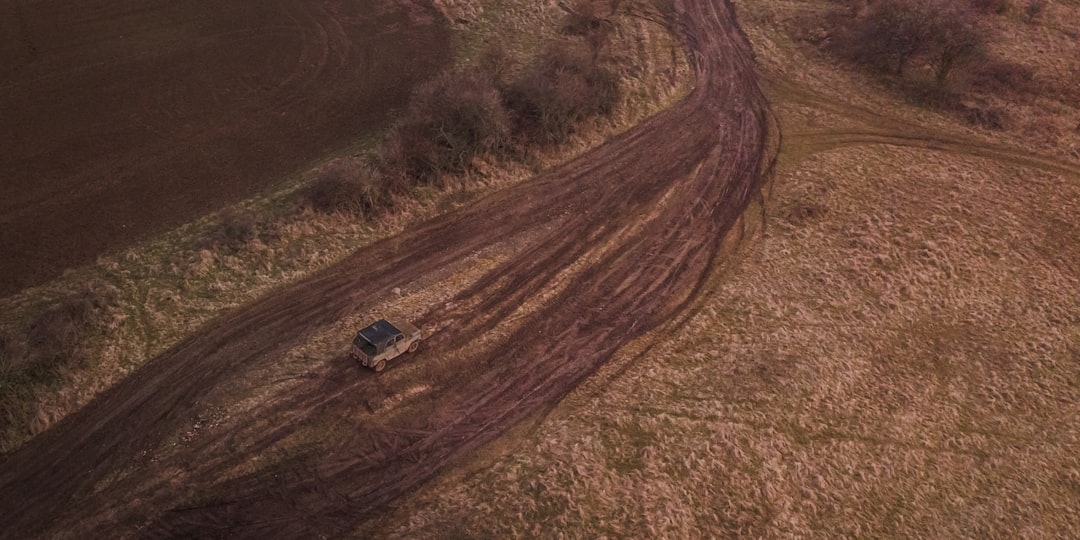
x: 633, y: 230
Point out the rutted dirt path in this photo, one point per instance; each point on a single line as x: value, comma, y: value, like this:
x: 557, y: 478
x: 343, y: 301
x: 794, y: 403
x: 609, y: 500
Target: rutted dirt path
x: 647, y: 213
x: 123, y: 119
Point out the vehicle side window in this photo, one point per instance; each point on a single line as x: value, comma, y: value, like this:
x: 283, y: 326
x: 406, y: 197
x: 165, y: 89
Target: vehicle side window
x: 399, y: 338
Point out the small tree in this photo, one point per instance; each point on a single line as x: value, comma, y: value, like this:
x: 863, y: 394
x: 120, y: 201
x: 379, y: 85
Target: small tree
x: 953, y: 39
x: 891, y: 34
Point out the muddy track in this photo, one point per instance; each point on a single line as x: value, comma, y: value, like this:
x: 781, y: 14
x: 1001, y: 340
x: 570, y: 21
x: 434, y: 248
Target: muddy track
x: 624, y: 237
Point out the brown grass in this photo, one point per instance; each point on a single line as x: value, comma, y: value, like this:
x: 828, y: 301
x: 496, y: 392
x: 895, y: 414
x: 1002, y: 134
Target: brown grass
x: 896, y: 356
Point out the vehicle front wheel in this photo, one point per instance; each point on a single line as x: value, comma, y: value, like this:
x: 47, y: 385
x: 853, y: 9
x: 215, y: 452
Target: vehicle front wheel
x: 414, y: 345
x: 380, y: 365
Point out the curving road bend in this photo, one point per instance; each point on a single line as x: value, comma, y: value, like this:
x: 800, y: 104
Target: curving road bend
x: 619, y: 241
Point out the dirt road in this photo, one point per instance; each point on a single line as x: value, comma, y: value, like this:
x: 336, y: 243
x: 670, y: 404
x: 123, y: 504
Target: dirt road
x: 123, y: 119
x: 615, y: 243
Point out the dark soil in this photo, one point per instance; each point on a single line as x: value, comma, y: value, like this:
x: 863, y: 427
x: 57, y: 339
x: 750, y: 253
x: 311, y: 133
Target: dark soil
x: 126, y: 118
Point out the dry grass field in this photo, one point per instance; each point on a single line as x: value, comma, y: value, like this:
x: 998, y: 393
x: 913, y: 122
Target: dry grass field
x: 893, y: 352
x: 896, y: 353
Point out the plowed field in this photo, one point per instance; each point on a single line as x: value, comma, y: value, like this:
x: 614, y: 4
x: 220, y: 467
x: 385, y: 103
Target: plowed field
x: 122, y: 119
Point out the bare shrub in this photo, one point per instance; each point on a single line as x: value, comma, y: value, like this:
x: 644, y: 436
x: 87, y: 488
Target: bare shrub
x: 563, y: 87
x: 1002, y: 78
x: 890, y: 35
x: 984, y: 116
x: 591, y: 20
x: 232, y: 233
x: 56, y: 338
x: 991, y: 7
x: 451, y: 120
x: 1033, y: 9
x: 347, y: 186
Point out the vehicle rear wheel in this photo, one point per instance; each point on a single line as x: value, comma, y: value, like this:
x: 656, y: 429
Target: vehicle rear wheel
x: 414, y: 345
x: 380, y: 365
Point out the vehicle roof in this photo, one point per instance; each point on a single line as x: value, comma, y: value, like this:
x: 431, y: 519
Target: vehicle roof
x: 378, y: 332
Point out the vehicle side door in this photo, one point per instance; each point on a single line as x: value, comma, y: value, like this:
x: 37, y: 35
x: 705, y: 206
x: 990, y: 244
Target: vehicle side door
x: 396, y: 345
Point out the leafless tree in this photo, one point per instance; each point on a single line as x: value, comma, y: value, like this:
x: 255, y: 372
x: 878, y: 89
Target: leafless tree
x: 954, y: 38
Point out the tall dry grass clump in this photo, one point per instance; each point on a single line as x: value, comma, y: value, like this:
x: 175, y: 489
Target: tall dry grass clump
x: 346, y: 185
x: 50, y: 345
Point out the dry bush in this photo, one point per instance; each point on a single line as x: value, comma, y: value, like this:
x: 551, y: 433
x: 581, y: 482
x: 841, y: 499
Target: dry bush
x: 984, y: 116
x: 55, y: 340
x: 886, y: 38
x: 991, y: 7
x: 451, y: 120
x: 1033, y: 9
x: 12, y: 350
x: 496, y: 61
x: 37, y: 357
x: 347, y: 186
x: 563, y: 87
x: 1003, y: 78
x: 590, y: 20
x: 955, y: 39
x: 234, y: 231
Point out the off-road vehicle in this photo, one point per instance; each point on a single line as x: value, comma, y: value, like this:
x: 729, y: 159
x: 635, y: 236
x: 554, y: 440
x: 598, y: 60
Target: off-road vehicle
x: 383, y: 341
